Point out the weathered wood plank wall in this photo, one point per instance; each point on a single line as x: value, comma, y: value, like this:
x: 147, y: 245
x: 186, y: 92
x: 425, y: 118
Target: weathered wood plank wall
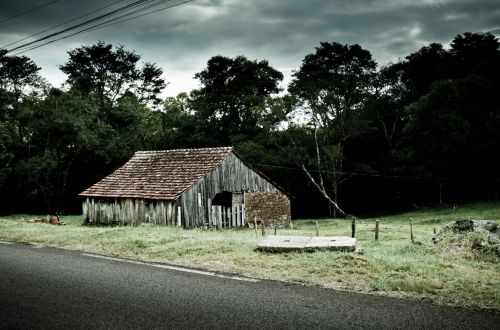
x: 127, y: 211
x: 231, y: 175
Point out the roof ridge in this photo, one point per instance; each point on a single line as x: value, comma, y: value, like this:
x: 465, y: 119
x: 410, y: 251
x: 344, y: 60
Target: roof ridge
x: 185, y: 149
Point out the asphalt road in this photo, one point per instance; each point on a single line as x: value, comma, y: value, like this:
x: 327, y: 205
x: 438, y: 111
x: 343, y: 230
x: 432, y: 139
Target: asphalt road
x: 46, y: 288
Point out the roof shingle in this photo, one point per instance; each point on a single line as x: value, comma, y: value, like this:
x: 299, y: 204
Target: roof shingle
x: 164, y: 174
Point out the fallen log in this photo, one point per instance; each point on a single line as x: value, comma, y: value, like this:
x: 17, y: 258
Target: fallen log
x: 51, y: 221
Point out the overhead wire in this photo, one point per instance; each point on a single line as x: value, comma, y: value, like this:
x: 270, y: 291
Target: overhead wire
x: 100, y: 17
x: 383, y: 175
x: 151, y: 12
x: 28, y: 11
x: 110, y: 22
x: 61, y: 24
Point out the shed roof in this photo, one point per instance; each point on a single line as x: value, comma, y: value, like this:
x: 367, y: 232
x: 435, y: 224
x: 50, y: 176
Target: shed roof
x: 162, y: 174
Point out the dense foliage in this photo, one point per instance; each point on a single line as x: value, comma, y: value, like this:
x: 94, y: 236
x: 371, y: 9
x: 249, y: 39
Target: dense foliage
x: 345, y: 133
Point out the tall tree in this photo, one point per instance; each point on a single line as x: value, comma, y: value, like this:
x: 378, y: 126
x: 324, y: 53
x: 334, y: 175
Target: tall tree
x: 232, y: 97
x: 179, y: 124
x: 451, y: 127
x: 64, y: 129
x: 108, y: 73
x: 475, y: 53
x: 332, y: 85
x: 19, y: 82
x: 421, y: 69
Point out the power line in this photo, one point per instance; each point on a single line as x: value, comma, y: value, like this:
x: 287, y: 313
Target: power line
x: 151, y: 12
x: 28, y: 11
x: 115, y: 20
x: 61, y: 24
x: 112, y: 21
x: 382, y: 175
x: 105, y: 24
x: 113, y: 12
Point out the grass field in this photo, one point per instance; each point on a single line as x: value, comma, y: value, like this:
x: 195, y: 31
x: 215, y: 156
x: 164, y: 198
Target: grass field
x: 459, y: 276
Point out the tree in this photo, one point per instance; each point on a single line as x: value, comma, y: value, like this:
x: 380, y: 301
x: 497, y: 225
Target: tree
x: 232, y: 97
x: 179, y: 124
x: 475, y: 53
x: 332, y: 86
x: 436, y: 132
x: 19, y: 83
x: 453, y: 120
x: 452, y: 131
x: 64, y: 130
x: 108, y: 73
x: 421, y: 69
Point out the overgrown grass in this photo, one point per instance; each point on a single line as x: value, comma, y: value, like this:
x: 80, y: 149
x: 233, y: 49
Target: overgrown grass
x: 453, y: 272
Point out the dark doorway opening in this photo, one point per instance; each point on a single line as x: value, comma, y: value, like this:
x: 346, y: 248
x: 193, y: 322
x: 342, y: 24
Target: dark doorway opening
x: 223, y: 199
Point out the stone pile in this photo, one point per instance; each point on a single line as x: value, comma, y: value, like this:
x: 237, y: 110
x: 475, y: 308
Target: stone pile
x: 268, y: 208
x: 491, y: 229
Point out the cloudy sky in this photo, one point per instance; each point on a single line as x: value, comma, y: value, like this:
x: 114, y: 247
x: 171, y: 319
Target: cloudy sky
x: 181, y: 39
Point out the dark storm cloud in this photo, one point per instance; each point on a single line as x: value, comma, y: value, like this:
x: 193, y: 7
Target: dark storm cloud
x: 182, y: 39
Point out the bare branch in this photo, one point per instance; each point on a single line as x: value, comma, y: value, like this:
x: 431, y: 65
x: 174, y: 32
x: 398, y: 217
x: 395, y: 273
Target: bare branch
x: 318, y: 158
x: 323, y: 192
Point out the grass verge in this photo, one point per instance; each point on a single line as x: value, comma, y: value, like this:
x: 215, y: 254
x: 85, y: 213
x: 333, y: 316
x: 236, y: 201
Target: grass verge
x: 393, y: 266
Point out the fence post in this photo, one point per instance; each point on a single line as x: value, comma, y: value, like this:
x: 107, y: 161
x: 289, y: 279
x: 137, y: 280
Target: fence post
x: 353, y: 228
x: 317, y: 229
x: 233, y: 215
x: 179, y: 216
x: 376, y: 230
x: 411, y: 233
x: 219, y: 217
x: 243, y: 215
x: 212, y: 216
x: 238, y: 215
x: 209, y: 211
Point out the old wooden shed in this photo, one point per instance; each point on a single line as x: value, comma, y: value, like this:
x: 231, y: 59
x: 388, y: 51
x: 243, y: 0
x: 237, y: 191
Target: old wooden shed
x: 186, y: 187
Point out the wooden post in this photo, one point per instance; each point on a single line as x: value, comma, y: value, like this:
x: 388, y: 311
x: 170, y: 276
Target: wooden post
x: 376, y: 230
x: 353, y: 228
x: 255, y: 225
x: 317, y: 229
x: 238, y: 215
x: 209, y: 211
x: 219, y: 217
x: 263, y: 228
x: 179, y: 216
x: 274, y: 227
x: 233, y: 215
x: 212, y: 216
x: 434, y: 229
x: 411, y: 233
x: 243, y: 215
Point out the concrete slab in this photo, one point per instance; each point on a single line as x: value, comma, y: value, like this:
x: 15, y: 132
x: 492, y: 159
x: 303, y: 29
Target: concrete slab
x: 304, y: 243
